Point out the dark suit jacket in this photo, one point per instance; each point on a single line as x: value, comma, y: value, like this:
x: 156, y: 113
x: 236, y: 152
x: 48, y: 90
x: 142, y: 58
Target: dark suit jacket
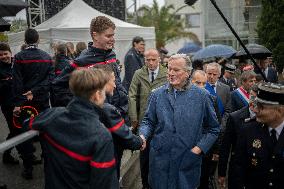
x: 236, y: 121
x: 237, y: 102
x: 259, y: 164
x: 272, y: 75
x: 223, y: 91
x: 132, y: 62
x: 230, y: 82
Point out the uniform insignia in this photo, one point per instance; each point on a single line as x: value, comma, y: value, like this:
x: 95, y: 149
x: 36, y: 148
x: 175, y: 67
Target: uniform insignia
x: 256, y: 143
x: 254, y: 162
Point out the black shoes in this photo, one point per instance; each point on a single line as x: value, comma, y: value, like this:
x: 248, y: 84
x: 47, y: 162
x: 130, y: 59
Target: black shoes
x: 9, y: 159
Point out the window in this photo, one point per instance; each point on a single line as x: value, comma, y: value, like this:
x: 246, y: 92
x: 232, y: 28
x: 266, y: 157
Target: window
x: 192, y: 20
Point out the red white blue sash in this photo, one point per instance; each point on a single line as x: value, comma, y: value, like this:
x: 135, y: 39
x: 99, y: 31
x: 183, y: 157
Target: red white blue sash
x: 243, y: 95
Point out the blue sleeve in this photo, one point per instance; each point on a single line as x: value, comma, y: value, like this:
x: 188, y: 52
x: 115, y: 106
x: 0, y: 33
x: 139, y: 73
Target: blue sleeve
x: 210, y: 119
x: 149, y: 121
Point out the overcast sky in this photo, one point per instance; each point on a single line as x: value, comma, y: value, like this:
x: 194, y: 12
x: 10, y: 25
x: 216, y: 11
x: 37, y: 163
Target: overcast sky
x: 22, y: 13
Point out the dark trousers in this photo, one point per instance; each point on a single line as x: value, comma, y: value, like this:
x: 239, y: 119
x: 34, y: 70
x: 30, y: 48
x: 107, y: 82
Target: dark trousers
x: 26, y: 149
x: 144, y: 165
x: 7, y: 111
x: 208, y: 168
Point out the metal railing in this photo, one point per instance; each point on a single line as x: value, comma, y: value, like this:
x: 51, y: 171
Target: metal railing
x: 17, y: 140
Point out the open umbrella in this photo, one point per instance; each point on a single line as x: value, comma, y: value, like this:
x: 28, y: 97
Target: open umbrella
x: 11, y: 7
x: 4, y: 26
x: 216, y: 50
x: 257, y: 51
x: 189, y: 48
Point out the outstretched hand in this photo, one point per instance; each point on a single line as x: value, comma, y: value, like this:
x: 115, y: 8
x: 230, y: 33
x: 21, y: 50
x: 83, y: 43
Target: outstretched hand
x: 144, y: 143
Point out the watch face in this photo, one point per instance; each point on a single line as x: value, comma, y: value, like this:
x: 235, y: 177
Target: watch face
x: 26, y: 113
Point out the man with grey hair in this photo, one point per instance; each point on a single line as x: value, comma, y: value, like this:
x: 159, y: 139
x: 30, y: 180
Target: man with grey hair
x: 222, y: 92
x: 240, y: 96
x: 174, y: 119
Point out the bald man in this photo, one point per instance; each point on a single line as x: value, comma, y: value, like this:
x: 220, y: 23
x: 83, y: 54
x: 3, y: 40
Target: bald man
x: 199, y: 78
x: 146, y: 79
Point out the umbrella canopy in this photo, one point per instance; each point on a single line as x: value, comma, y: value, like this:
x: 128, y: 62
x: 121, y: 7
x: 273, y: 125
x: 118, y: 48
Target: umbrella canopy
x: 216, y: 50
x: 257, y: 51
x: 189, y: 48
x: 11, y: 7
x: 4, y: 26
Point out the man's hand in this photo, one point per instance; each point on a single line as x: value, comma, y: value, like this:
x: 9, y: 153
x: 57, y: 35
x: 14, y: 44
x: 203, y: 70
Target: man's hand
x: 215, y: 157
x: 221, y: 182
x: 144, y: 143
x: 29, y: 95
x: 196, y: 150
x: 17, y: 111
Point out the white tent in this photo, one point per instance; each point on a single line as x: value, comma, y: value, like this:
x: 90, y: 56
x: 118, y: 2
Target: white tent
x: 72, y: 24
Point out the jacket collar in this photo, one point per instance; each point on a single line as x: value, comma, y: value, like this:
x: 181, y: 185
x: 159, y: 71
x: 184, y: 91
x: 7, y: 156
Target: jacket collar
x: 82, y: 106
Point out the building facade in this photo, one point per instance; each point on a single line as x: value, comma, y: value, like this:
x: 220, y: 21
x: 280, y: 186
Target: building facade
x: 242, y: 15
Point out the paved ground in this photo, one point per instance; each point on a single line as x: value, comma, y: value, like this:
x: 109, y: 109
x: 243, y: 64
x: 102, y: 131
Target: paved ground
x: 11, y: 175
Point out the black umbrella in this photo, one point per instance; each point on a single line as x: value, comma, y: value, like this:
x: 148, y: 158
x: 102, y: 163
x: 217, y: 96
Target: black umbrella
x: 4, y: 26
x: 257, y: 51
x: 11, y: 7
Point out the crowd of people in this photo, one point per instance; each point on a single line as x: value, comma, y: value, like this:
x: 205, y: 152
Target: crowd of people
x: 201, y: 124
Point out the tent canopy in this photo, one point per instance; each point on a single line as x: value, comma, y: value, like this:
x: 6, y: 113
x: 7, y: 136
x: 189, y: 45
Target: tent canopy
x: 72, y: 24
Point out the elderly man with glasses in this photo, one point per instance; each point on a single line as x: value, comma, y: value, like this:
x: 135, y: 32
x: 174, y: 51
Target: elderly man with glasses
x: 260, y: 147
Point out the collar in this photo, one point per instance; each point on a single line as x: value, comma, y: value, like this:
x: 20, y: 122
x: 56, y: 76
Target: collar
x: 187, y: 86
x: 31, y: 46
x: 278, y: 129
x: 155, y: 71
x: 251, y: 114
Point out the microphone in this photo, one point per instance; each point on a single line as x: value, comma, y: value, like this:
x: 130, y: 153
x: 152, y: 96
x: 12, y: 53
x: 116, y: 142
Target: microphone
x: 190, y: 2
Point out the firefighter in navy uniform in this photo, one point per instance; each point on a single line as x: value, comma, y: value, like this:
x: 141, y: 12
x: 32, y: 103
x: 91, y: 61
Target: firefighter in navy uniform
x: 32, y: 74
x: 260, y: 147
x: 77, y: 148
x: 99, y: 52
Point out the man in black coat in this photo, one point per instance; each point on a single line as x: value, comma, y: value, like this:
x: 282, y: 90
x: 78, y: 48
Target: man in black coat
x: 77, y: 147
x: 134, y: 60
x: 236, y: 121
x: 228, y: 77
x: 260, y: 148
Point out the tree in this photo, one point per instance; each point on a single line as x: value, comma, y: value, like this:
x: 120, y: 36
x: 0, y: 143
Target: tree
x: 270, y: 29
x: 18, y: 25
x: 164, y: 19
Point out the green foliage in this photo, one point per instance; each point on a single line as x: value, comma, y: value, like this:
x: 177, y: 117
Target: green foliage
x: 18, y: 25
x: 270, y: 29
x: 3, y: 37
x: 164, y: 19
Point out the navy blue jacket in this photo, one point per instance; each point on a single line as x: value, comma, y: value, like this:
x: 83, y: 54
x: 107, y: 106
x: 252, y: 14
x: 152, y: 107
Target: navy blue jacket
x: 91, y: 57
x: 32, y: 71
x: 132, y: 62
x: 61, y: 61
x: 236, y: 121
x: 237, y: 101
x: 5, y: 84
x: 77, y: 148
x: 259, y: 164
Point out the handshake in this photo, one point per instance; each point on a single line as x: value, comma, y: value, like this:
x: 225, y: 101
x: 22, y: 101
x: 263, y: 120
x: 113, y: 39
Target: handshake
x: 134, y: 129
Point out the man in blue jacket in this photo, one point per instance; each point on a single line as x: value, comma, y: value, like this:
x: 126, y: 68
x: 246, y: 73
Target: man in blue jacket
x: 175, y: 117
